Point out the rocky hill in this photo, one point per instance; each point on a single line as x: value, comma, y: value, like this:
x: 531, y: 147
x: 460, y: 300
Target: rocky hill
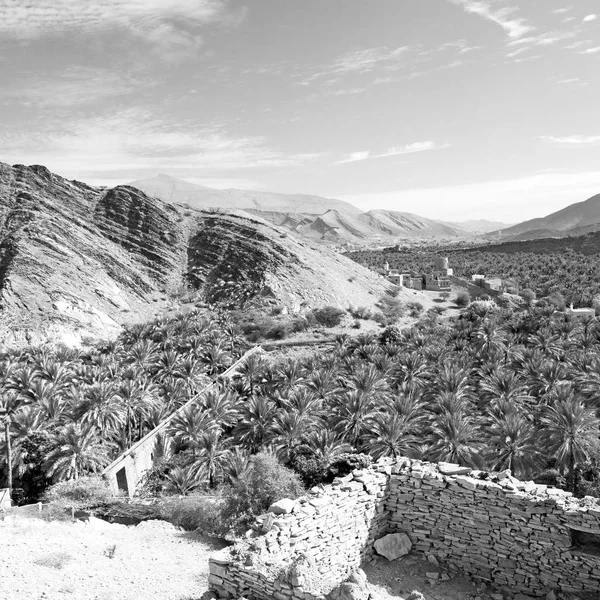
x: 575, y: 219
x: 77, y: 259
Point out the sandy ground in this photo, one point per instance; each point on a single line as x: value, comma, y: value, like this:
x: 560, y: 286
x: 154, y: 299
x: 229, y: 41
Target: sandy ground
x: 395, y: 580
x: 42, y: 560
x: 59, y: 560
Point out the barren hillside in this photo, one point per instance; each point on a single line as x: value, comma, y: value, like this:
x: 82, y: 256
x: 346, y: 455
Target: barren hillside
x: 76, y: 259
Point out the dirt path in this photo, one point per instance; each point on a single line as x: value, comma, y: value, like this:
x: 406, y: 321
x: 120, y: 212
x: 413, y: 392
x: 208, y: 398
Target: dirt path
x: 42, y: 560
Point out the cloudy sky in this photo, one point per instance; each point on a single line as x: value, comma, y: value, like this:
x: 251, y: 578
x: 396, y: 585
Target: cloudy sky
x: 453, y: 109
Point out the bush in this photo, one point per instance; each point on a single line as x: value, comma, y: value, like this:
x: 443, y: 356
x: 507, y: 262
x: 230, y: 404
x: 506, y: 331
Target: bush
x: 85, y: 493
x: 462, y: 299
x: 391, y: 310
x: 346, y: 463
x: 328, y: 316
x: 265, y: 482
x: 361, y: 312
x: 415, y: 308
x: 528, y: 296
x: 194, y: 512
x: 307, y: 464
x: 390, y: 334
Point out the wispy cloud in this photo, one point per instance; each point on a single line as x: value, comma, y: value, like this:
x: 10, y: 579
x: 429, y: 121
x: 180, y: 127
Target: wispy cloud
x: 170, y: 24
x: 572, y: 140
x: 47, y: 17
x: 76, y: 86
x: 593, y: 50
x: 393, y: 151
x: 368, y: 60
x: 589, y: 18
x: 503, y: 16
x: 136, y: 140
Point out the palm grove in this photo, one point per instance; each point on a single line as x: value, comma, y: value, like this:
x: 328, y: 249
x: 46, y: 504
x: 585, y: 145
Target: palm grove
x: 495, y: 388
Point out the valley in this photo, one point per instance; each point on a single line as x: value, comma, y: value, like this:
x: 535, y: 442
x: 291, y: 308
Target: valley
x: 355, y: 369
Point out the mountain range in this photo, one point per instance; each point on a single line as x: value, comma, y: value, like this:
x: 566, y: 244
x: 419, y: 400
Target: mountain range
x: 79, y: 260
x: 324, y: 220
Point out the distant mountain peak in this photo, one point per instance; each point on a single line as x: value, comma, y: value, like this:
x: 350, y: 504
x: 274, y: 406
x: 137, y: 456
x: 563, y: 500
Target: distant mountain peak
x: 180, y: 191
x: 575, y: 219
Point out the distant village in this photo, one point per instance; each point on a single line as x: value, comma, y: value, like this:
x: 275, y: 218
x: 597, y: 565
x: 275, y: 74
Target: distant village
x: 439, y: 280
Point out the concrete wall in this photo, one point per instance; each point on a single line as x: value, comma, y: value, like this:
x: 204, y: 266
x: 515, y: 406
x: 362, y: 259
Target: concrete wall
x: 515, y: 535
x: 5, y: 501
x: 126, y: 471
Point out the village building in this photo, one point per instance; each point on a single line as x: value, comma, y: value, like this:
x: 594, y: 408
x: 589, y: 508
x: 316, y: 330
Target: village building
x: 436, y: 281
x: 581, y: 313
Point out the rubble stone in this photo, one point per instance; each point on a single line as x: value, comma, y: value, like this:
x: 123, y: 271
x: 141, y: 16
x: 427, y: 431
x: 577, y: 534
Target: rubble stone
x: 282, y: 507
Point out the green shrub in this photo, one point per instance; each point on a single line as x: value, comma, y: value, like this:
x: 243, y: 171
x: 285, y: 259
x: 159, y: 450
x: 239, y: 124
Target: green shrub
x: 415, y: 308
x: 85, y: 493
x: 361, y: 312
x: 390, y: 334
x: 346, y: 463
x: 328, y: 316
x: 391, y: 310
x: 307, y: 464
x: 194, y: 512
x: 462, y: 299
x: 265, y: 482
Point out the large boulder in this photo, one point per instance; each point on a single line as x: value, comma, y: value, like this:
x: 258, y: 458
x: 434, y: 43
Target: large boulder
x: 393, y: 545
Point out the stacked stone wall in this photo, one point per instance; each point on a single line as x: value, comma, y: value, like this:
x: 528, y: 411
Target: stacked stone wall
x: 306, y: 553
x: 518, y: 536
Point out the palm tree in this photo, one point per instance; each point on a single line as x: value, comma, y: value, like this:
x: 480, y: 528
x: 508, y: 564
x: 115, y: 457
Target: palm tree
x: 78, y: 451
x: 214, y: 455
x: 10, y: 403
x: 256, y: 422
x: 250, y: 371
x: 327, y: 445
x: 183, y: 480
x: 190, y: 425
x: 390, y: 436
x: 354, y: 411
x: 571, y: 431
x: 456, y: 439
x: 514, y: 445
x: 101, y: 408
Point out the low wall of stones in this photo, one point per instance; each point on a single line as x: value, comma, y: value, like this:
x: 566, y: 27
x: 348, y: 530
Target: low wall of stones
x: 306, y: 553
x: 517, y: 536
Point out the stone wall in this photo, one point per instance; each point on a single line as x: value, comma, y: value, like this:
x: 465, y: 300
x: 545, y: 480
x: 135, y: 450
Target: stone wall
x: 518, y: 536
x: 308, y: 552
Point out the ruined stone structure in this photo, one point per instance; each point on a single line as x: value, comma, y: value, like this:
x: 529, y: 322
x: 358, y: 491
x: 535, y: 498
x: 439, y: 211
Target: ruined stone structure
x: 515, y: 535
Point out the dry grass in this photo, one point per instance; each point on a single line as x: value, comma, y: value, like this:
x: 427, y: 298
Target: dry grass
x: 54, y: 560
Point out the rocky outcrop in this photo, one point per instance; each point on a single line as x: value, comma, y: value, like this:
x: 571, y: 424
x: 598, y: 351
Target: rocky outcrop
x: 79, y: 260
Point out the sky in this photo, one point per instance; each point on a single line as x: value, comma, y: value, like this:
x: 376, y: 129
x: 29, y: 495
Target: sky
x: 450, y: 109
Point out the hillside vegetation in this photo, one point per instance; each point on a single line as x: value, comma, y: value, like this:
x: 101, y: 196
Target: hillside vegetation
x: 492, y: 389
x: 77, y: 260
